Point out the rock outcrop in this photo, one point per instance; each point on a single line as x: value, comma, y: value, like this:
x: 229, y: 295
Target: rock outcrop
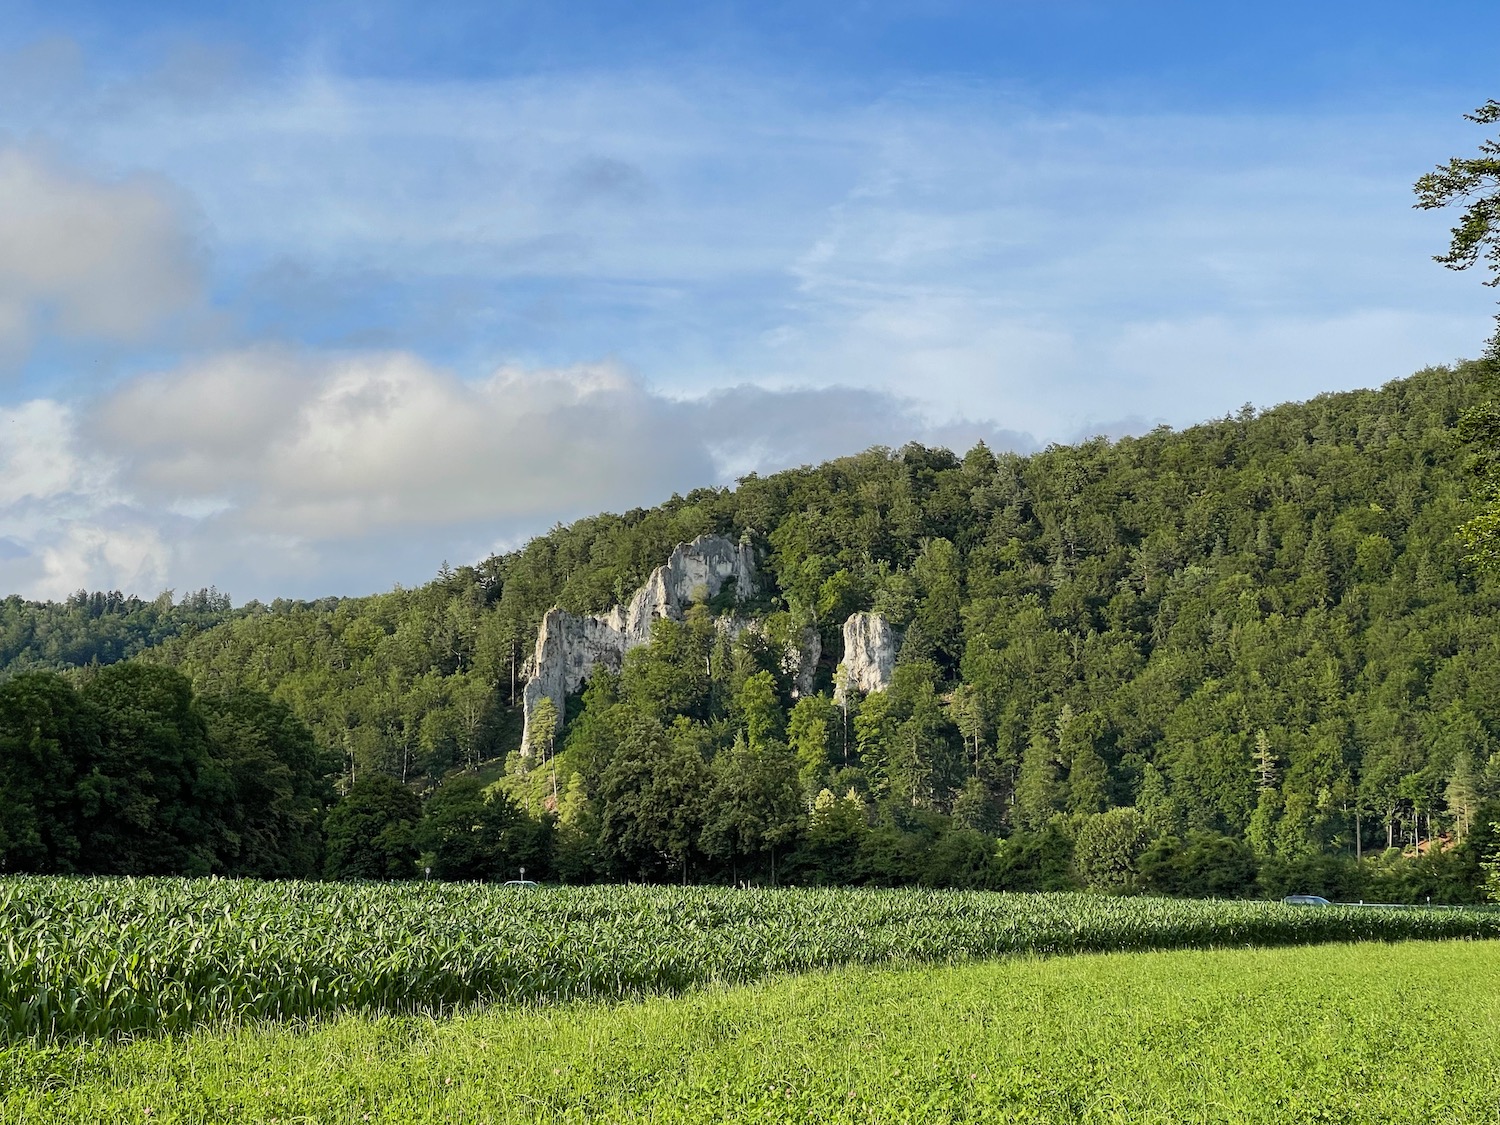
x: 569, y: 647
x: 800, y: 661
x: 870, y: 648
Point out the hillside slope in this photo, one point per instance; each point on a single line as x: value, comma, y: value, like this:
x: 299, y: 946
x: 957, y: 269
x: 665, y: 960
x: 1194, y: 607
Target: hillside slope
x: 1258, y: 629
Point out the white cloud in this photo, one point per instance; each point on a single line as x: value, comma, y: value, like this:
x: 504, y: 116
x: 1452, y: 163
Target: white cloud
x: 66, y: 523
x: 274, y: 472
x: 986, y: 257
x: 93, y: 557
x: 38, y: 458
x: 80, y: 257
x: 337, y: 446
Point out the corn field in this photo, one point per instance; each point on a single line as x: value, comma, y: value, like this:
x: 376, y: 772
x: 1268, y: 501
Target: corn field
x: 101, y: 957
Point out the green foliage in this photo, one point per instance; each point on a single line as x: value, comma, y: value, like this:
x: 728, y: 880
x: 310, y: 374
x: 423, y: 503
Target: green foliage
x: 1108, y: 847
x: 1036, y: 861
x: 47, y: 736
x: 654, y: 796
x: 836, y: 832
x: 153, y: 798
x: 278, y: 791
x: 372, y: 832
x: 410, y: 683
x: 1208, y: 865
x: 812, y: 731
x: 754, y: 803
x: 1490, y: 865
x: 472, y: 832
x: 100, y: 628
x: 1474, y: 181
x: 134, y: 774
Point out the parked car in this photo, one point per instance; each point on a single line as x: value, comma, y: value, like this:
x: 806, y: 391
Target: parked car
x: 521, y: 883
x: 1306, y: 900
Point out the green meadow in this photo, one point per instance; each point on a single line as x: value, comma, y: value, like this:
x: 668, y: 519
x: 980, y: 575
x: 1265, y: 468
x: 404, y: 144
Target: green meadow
x: 1370, y: 1032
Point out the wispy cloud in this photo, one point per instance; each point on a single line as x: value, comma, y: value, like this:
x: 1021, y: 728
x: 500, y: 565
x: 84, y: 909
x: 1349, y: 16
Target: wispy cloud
x: 365, y: 323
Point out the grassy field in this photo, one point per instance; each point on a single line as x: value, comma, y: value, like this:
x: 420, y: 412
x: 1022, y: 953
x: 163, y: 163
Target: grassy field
x: 84, y: 958
x: 1336, y: 1033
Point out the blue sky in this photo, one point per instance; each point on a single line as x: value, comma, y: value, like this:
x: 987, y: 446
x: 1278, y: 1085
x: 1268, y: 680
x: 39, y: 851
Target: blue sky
x: 306, y: 298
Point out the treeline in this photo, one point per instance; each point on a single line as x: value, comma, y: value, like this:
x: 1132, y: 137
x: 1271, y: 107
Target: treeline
x: 1257, y: 631
x: 131, y: 773
x: 100, y: 627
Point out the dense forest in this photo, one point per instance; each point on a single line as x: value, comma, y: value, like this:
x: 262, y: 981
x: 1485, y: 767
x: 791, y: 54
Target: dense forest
x: 1244, y: 658
x: 99, y: 628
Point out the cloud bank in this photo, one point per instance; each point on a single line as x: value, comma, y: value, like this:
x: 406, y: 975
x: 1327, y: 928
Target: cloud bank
x: 267, y: 466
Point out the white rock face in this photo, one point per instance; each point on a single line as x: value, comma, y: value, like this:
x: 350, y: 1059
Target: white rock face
x: 570, y: 647
x: 798, y: 657
x: 870, y: 647
x: 801, y: 662
x: 696, y: 572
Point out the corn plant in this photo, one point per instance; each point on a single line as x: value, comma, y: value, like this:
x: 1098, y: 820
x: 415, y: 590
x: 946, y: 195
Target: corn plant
x: 98, y: 957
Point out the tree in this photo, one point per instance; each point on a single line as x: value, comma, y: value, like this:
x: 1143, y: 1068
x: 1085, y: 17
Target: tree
x: 1464, y: 793
x: 939, y: 612
x: 1490, y: 865
x: 1162, y: 813
x: 835, y: 834
x: 372, y: 832
x: 155, y: 800
x: 755, y: 803
x: 276, y: 780
x: 1036, y: 861
x: 471, y: 832
x: 1474, y: 182
x: 760, y: 710
x: 975, y: 807
x: 811, y: 730
x: 1204, y: 865
x: 543, y: 739
x: 577, y: 855
x: 450, y: 831
x: 961, y: 858
x: 47, y: 737
x: 966, y: 708
x: 1040, y: 790
x: 1108, y: 846
x: 652, y: 796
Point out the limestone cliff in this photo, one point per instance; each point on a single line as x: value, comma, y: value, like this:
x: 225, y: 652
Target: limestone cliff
x: 870, y: 648
x: 569, y: 647
x: 800, y: 661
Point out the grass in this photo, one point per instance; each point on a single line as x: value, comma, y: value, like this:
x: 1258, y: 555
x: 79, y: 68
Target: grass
x: 84, y: 958
x: 1335, y: 1033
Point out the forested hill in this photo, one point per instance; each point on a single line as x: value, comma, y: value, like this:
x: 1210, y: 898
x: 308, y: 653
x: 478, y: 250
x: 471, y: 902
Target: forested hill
x: 99, y: 628
x: 1256, y: 629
